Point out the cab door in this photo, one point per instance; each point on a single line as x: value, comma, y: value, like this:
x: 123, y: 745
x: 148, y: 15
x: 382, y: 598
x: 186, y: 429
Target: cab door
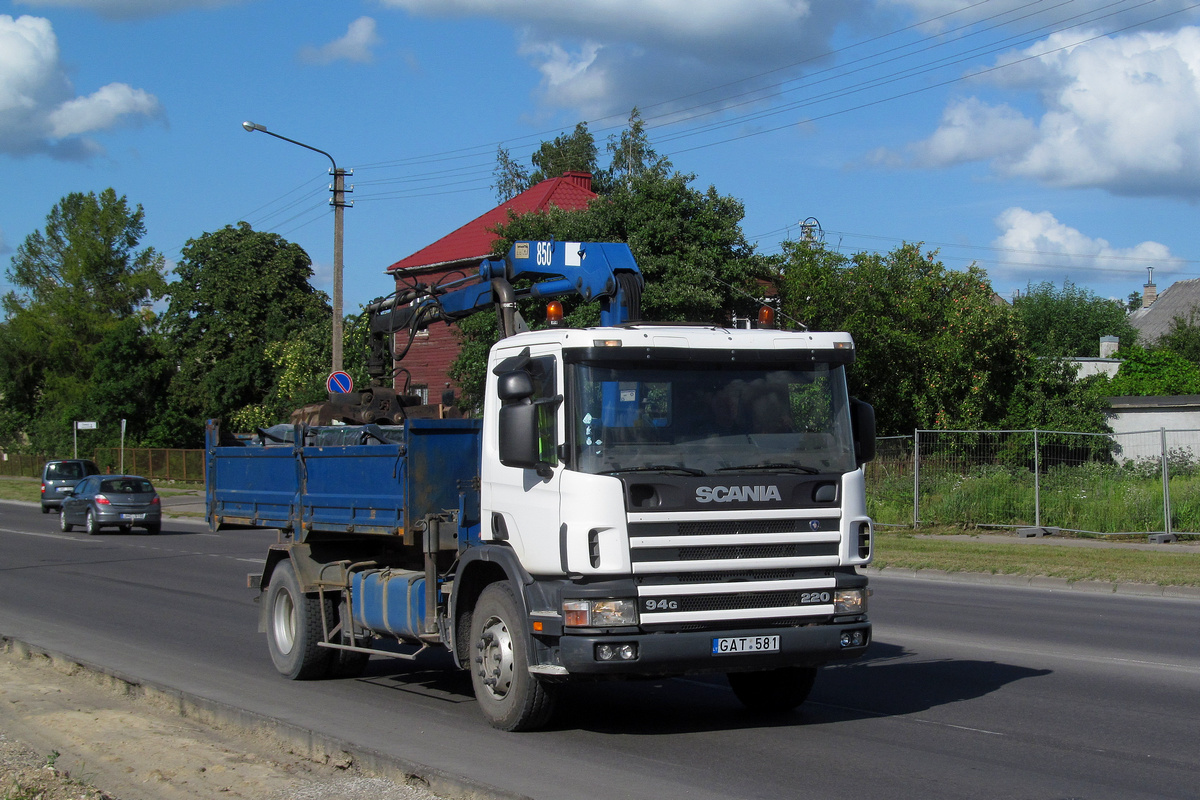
x: 521, y: 504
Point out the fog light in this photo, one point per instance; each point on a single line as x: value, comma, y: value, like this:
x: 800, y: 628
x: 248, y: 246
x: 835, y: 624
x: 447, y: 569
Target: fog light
x: 617, y: 651
x: 853, y: 639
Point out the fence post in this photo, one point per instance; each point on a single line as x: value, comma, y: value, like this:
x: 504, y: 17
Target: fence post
x: 1037, y: 482
x: 1166, y: 483
x: 916, y: 479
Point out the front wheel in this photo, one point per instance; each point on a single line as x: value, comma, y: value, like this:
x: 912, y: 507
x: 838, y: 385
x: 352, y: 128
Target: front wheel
x: 774, y: 690
x: 294, y: 627
x: 510, y: 697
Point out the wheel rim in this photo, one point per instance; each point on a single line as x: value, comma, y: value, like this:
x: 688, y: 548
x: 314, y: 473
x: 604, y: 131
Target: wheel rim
x: 494, y: 654
x: 91, y: 523
x: 283, y: 622
x: 62, y: 520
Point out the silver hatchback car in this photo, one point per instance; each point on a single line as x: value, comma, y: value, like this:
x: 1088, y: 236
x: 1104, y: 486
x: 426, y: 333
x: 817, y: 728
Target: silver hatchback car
x: 107, y: 501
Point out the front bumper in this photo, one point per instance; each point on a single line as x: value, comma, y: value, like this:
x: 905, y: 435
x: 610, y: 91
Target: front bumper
x: 692, y: 652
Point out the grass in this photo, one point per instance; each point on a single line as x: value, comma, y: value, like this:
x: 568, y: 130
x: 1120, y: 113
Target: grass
x: 1091, y: 497
x: 30, y: 489
x: 929, y: 550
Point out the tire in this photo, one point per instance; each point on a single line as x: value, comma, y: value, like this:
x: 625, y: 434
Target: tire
x: 776, y: 690
x: 45, y: 509
x: 294, y: 628
x: 153, y: 529
x: 89, y: 524
x: 63, y: 525
x: 510, y: 697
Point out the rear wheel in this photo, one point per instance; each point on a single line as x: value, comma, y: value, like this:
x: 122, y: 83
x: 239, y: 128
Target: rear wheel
x: 63, y: 525
x: 45, y: 509
x: 294, y: 627
x: 153, y: 529
x: 510, y: 697
x: 90, y: 524
x: 775, y: 690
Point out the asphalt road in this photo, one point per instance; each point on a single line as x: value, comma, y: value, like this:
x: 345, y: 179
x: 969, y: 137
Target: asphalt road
x: 968, y: 691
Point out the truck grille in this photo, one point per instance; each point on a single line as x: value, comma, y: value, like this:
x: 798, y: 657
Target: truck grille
x: 727, y: 574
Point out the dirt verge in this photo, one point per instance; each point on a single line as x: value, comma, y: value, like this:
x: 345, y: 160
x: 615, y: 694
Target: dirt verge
x: 68, y: 733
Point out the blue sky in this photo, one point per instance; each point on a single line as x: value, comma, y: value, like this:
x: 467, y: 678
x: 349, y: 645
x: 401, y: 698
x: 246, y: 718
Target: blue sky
x: 1045, y: 140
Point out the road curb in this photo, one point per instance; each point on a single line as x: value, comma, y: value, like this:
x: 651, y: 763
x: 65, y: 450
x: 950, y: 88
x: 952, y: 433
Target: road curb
x: 1038, y: 582
x: 317, y: 747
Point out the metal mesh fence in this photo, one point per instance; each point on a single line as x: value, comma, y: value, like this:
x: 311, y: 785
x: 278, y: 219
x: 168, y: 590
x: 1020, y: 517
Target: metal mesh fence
x: 1141, y: 482
x: 155, y: 463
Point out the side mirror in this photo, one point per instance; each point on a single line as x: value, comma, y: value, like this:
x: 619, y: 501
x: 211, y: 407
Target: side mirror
x: 519, y: 436
x: 862, y: 424
x: 528, y: 435
x: 514, y: 386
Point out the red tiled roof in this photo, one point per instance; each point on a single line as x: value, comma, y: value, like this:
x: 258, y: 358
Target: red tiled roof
x: 473, y: 241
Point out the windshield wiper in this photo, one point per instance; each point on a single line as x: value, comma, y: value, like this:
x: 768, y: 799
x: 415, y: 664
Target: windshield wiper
x: 657, y: 468
x: 775, y: 467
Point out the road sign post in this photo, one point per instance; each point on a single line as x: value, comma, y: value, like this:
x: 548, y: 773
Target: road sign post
x: 81, y: 426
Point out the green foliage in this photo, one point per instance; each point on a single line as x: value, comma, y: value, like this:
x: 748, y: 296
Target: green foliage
x: 934, y: 348
x: 1050, y: 398
x: 1150, y: 373
x: 1068, y: 322
x: 573, y: 152
x: 78, y: 333
x: 240, y: 291
x: 1183, y: 338
x: 511, y: 178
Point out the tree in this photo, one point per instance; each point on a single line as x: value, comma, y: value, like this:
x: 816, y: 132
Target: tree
x: 80, y: 281
x: 1148, y: 373
x: 1183, y: 338
x: 574, y: 152
x: 933, y: 347
x: 1069, y: 322
x: 239, y: 291
x: 632, y: 154
x: 510, y: 177
x: 689, y: 245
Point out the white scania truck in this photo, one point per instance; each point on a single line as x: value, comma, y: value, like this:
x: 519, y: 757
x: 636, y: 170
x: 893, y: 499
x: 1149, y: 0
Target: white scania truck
x: 637, y: 500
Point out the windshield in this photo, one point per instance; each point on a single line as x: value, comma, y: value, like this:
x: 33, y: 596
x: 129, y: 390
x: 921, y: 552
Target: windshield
x: 703, y: 419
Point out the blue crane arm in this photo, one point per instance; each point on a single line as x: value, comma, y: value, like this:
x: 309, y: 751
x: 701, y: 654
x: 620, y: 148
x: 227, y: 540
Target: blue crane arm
x: 591, y: 270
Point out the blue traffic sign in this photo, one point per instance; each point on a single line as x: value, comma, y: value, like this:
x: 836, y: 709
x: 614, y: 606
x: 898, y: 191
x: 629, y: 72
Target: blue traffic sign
x: 340, y: 383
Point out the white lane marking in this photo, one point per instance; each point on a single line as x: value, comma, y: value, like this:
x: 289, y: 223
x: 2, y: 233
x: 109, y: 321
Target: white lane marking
x: 51, y: 536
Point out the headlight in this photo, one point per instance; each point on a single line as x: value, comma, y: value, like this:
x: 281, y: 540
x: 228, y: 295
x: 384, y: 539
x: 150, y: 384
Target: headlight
x: 599, y: 613
x: 850, y: 601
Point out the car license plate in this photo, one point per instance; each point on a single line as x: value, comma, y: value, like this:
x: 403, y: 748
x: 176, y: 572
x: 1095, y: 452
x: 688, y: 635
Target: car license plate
x: 134, y: 517
x: 745, y: 644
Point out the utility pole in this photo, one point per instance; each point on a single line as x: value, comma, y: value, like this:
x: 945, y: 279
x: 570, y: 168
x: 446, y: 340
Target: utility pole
x: 338, y: 201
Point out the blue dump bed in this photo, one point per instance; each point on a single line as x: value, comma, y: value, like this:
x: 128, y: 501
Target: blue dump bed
x: 360, y: 479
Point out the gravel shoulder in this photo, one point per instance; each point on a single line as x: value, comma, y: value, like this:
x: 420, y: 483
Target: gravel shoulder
x: 69, y: 733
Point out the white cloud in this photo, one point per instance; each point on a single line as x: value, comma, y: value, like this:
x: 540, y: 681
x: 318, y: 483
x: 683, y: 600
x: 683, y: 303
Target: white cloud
x: 39, y: 112
x: 1120, y: 113
x: 355, y: 45
x: 102, y: 109
x: 1037, y: 247
x: 601, y: 57
x: 130, y: 9
x: 971, y: 131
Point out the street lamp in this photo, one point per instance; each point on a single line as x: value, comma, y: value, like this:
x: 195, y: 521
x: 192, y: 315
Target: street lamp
x: 339, y: 205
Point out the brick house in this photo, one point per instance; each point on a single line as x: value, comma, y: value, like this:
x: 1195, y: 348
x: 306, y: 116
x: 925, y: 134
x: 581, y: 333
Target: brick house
x: 458, y: 254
